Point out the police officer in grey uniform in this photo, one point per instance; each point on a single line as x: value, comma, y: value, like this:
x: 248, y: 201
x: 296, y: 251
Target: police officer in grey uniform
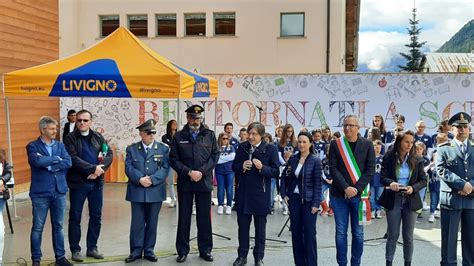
x: 147, y: 166
x: 455, y: 167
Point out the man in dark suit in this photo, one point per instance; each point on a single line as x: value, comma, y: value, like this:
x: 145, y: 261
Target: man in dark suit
x: 256, y: 163
x: 71, y: 123
x: 346, y: 190
x: 455, y: 167
x: 194, y: 155
x: 146, y: 166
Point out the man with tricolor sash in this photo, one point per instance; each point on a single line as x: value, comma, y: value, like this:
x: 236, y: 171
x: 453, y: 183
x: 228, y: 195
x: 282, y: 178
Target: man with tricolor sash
x: 352, y: 166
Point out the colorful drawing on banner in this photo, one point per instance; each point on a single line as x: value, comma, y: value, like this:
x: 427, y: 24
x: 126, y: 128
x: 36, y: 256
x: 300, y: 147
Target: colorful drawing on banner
x: 382, y: 83
x: 281, y: 85
x: 393, y: 93
x: 229, y: 83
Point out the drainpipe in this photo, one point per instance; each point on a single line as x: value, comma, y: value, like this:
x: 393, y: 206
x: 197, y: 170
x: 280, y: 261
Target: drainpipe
x: 328, y: 29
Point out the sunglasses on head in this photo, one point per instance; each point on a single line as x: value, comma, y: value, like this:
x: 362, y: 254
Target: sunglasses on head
x: 83, y: 120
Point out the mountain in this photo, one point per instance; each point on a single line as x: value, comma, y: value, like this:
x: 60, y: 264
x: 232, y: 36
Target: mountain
x: 461, y: 42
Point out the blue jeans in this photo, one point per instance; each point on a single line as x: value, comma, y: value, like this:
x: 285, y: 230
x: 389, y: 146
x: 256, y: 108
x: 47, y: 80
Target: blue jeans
x: 434, y: 194
x: 375, y: 193
x: 323, y: 191
x: 57, y: 207
x: 272, y: 193
x: 225, y: 185
x: 170, y: 183
x: 422, y: 194
x: 93, y: 192
x: 343, y: 210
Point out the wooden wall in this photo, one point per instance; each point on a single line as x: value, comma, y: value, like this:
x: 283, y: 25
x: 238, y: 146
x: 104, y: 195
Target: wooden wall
x: 29, y: 36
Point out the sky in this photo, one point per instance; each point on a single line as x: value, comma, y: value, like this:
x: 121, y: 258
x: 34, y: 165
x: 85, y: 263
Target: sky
x: 383, y: 33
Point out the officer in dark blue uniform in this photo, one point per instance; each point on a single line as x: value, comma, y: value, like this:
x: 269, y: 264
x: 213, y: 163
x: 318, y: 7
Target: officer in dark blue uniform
x: 194, y: 155
x: 146, y: 165
x: 455, y: 168
x: 255, y: 163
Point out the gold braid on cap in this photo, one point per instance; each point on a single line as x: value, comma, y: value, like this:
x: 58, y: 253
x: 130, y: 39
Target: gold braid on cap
x: 461, y: 117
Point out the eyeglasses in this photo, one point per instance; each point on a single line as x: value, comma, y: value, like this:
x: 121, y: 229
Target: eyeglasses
x: 461, y: 126
x: 349, y: 125
x: 225, y: 138
x: 150, y: 133
x: 83, y: 120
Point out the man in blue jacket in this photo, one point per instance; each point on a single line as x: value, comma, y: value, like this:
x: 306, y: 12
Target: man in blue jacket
x: 256, y: 163
x: 146, y: 166
x: 49, y: 162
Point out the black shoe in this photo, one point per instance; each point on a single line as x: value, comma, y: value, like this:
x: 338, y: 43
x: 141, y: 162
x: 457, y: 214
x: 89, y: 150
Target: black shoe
x: 181, y: 258
x: 151, y: 258
x: 388, y: 263
x: 36, y: 263
x: 258, y: 262
x: 94, y: 253
x: 407, y: 263
x: 206, y: 256
x: 240, y: 261
x: 63, y: 262
x: 132, y: 258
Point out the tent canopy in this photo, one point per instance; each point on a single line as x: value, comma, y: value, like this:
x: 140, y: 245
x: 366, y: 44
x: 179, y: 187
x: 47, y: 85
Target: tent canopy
x: 118, y: 66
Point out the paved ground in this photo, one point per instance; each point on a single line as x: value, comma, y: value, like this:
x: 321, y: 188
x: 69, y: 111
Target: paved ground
x: 115, y: 232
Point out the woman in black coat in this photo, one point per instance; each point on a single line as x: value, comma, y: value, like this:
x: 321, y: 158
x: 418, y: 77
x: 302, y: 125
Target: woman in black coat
x: 5, y: 175
x: 301, y: 189
x: 403, y: 176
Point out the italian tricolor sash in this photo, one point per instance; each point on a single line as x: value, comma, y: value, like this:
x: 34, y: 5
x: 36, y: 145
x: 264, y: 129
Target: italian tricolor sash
x: 354, y: 171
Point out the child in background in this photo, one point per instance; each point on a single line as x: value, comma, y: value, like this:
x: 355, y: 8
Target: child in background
x: 318, y: 144
x: 433, y: 182
x: 376, y: 188
x: 327, y: 181
x: 420, y: 149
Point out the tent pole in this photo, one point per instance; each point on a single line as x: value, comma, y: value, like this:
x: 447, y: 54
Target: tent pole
x: 178, y: 115
x: 10, y: 156
x: 215, y: 115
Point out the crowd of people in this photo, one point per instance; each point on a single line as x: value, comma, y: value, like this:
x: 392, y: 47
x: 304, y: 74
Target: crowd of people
x: 351, y: 176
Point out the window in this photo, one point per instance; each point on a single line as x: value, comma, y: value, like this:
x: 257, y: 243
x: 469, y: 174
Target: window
x: 292, y: 24
x: 108, y: 24
x: 138, y: 24
x: 224, y: 23
x: 195, y: 24
x: 166, y: 25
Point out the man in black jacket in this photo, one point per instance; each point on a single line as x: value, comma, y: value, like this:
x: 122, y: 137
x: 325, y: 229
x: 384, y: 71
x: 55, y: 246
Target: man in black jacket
x: 193, y: 156
x: 91, y: 157
x: 352, y: 166
x: 71, y: 123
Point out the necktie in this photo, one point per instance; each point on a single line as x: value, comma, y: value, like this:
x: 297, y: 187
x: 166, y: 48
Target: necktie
x: 463, y: 149
x: 146, y: 150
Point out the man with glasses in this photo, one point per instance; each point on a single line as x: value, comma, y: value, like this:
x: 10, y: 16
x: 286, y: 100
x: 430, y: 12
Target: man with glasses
x: 146, y: 166
x: 194, y: 155
x: 91, y: 157
x: 352, y: 166
x: 455, y: 168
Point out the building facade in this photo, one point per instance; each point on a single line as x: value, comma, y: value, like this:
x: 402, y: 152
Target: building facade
x: 225, y: 37
x: 29, y: 36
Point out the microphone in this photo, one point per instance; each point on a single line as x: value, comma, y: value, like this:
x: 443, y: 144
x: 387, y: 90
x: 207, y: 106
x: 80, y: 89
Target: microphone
x: 252, y: 149
x: 259, y: 108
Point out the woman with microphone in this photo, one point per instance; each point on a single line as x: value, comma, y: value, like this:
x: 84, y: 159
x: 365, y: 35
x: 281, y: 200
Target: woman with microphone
x: 403, y: 176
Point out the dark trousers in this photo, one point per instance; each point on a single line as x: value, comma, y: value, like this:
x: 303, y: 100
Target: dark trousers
x: 260, y: 223
x: 303, y: 231
x: 93, y: 192
x: 203, y: 221
x: 449, y: 236
x: 143, y: 228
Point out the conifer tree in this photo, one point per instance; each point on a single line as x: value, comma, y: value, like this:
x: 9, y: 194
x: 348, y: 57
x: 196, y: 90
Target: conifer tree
x: 414, y: 54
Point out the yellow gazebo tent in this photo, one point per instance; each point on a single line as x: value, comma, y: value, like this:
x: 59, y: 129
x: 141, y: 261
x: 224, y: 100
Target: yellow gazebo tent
x: 118, y: 66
